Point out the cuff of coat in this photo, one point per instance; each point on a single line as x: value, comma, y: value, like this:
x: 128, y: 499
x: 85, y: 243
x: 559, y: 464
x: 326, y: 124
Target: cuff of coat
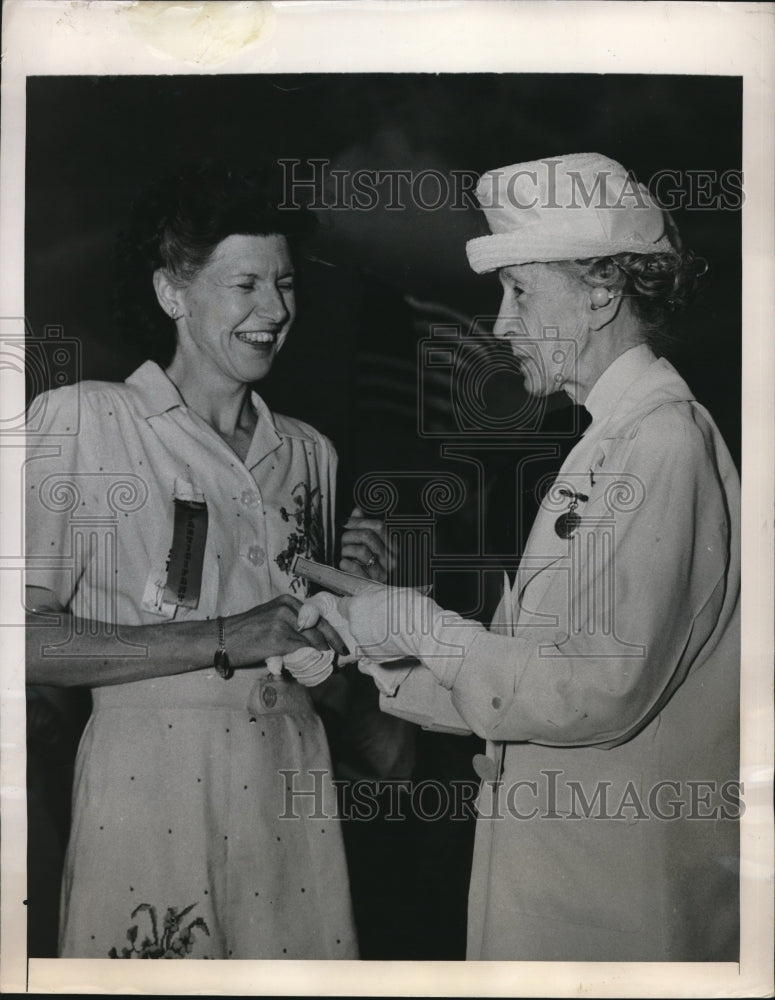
x: 445, y: 649
x: 487, y: 679
x: 387, y: 678
x: 422, y: 700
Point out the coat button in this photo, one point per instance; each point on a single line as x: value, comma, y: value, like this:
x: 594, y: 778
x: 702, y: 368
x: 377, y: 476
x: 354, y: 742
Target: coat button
x: 250, y: 498
x: 256, y: 555
x: 485, y: 767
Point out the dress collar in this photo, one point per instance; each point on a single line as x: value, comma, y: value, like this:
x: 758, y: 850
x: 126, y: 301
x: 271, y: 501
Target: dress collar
x: 266, y: 437
x: 155, y: 393
x: 616, y: 379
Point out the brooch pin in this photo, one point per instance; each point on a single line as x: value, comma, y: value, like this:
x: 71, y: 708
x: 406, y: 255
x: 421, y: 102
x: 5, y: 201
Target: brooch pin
x: 569, y: 520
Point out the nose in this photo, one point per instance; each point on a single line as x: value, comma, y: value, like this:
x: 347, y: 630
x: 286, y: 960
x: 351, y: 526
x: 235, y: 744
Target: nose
x: 501, y: 327
x: 508, y: 325
x: 271, y: 305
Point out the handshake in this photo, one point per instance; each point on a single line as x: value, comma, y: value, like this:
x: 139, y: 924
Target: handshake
x: 311, y: 666
x: 387, y: 630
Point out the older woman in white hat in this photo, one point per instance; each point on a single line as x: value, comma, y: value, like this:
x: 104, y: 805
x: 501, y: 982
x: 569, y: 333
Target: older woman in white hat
x: 607, y: 687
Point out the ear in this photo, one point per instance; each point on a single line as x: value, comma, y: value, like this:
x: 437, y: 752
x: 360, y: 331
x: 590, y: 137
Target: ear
x: 168, y: 294
x: 599, y: 312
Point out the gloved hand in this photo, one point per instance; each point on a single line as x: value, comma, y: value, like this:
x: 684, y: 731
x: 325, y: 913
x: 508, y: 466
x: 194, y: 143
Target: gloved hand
x: 326, y: 605
x: 400, y: 622
x: 309, y: 666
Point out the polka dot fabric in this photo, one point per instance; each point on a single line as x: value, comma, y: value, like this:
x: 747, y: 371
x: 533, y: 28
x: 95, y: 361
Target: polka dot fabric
x: 184, y: 840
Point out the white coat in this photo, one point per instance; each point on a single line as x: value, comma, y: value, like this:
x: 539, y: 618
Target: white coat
x: 609, y: 829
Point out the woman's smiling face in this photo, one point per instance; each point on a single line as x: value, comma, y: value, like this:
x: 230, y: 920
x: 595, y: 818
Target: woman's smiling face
x: 237, y: 310
x: 543, y: 315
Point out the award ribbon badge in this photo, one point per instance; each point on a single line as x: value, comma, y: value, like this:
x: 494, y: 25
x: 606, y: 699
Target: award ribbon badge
x: 184, y: 575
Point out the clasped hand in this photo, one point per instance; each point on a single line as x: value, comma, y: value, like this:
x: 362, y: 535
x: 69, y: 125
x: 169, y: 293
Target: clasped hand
x: 271, y: 629
x: 383, y: 623
x: 379, y: 623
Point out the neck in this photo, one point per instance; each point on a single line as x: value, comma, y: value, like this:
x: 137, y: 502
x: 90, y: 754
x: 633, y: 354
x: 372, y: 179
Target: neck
x: 224, y: 404
x: 601, y: 349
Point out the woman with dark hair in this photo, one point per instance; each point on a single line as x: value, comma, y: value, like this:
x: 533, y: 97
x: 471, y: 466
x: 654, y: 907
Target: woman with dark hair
x: 163, y: 514
x: 607, y: 687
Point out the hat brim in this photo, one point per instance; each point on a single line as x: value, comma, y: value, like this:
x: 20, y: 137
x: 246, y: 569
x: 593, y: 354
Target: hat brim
x: 488, y: 253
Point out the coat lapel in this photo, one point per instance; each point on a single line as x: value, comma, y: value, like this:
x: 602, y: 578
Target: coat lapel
x: 546, y: 553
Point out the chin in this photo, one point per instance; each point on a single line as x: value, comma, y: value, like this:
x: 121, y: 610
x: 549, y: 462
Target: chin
x: 260, y: 371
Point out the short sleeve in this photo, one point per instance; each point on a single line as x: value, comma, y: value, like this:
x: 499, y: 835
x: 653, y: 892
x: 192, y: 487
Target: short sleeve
x: 55, y: 553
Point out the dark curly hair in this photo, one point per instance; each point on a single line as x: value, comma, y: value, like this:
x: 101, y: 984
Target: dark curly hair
x: 658, y: 285
x: 177, y: 223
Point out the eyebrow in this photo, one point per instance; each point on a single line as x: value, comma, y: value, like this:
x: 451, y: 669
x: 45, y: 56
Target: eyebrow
x: 255, y: 274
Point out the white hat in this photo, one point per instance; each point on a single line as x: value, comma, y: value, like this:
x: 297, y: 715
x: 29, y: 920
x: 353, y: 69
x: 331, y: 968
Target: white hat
x: 566, y: 208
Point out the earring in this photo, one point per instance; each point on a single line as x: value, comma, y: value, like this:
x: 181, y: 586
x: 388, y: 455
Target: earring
x: 600, y: 297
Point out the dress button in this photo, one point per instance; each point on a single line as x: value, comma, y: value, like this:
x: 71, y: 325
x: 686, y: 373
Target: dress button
x: 256, y: 555
x: 269, y: 696
x: 485, y: 767
x: 250, y: 498
x: 496, y: 702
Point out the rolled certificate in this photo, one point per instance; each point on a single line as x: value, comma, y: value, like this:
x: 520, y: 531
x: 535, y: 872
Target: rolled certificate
x: 336, y: 580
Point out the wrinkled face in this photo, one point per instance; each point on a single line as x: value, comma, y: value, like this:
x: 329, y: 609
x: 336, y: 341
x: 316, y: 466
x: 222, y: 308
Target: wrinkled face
x: 238, y: 308
x: 543, y: 315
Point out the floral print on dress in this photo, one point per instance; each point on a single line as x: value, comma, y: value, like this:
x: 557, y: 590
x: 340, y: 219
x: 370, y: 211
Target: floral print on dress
x: 307, y: 537
x: 175, y: 941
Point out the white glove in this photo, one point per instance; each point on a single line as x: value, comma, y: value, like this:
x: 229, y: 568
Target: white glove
x: 392, y: 621
x: 326, y: 605
x: 275, y: 665
x: 308, y: 665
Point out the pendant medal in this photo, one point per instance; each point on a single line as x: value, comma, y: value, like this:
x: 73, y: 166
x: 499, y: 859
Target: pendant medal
x: 567, y: 523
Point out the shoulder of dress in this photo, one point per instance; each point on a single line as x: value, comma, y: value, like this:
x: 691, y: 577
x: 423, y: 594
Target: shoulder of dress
x: 294, y: 428
x: 76, y: 405
x: 88, y: 389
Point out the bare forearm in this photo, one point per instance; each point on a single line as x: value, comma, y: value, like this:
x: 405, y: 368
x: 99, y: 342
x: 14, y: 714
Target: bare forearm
x: 73, y: 652
x: 64, y: 651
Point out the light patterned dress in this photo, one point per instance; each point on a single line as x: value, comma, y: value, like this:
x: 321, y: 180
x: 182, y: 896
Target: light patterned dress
x: 192, y: 834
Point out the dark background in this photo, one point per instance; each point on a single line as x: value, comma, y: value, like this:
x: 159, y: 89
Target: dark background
x: 350, y: 367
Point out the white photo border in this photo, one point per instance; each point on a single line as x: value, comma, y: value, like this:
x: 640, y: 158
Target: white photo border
x: 51, y: 37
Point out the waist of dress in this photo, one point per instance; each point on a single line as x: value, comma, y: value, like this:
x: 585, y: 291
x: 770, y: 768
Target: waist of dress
x: 253, y: 690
